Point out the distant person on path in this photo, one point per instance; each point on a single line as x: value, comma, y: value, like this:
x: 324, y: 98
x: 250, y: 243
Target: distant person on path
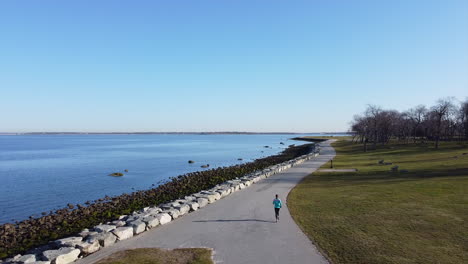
x: 277, y: 203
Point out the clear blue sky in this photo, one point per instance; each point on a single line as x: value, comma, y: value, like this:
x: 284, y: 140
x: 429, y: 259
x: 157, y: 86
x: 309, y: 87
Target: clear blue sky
x: 250, y: 65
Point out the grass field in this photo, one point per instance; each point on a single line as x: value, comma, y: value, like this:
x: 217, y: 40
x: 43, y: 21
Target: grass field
x: 378, y: 216
x: 160, y: 256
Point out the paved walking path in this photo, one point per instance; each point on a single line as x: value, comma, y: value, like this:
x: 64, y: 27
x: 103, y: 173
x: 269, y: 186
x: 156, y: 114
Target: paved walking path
x: 241, y: 227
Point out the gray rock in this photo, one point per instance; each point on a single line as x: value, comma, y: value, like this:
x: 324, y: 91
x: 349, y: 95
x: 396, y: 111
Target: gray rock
x: 183, y: 209
x: 40, y: 262
x: 138, y: 226
x: 122, y: 217
x: 119, y: 223
x: 193, y: 205
x: 63, y: 255
x: 202, y: 202
x: 154, y: 211
x: 151, y: 221
x: 30, y: 258
x: 105, y: 239
x: 163, y: 218
x: 104, y: 228
x: 68, y: 242
x: 173, y: 213
x: 88, y: 247
x: 123, y: 233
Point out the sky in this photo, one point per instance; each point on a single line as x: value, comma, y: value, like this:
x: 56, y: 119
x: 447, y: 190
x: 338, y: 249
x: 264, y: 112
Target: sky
x: 260, y: 66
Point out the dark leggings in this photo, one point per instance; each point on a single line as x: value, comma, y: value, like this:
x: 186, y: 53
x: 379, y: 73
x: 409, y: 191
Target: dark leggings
x: 277, y: 212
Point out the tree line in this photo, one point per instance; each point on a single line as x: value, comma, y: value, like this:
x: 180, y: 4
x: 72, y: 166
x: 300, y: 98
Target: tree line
x: 446, y: 120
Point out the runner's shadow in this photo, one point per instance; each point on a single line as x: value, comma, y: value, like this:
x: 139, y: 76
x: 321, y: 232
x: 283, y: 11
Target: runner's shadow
x: 234, y: 220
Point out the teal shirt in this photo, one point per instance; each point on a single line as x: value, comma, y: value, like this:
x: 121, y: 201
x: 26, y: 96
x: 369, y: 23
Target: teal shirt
x: 277, y: 203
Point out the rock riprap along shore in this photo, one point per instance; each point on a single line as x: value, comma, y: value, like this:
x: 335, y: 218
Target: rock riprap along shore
x: 88, y: 241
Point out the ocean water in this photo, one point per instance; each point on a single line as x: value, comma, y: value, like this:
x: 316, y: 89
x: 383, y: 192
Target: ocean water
x: 39, y: 173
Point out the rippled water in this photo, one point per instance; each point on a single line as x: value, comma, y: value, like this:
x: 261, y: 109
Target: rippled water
x: 44, y: 172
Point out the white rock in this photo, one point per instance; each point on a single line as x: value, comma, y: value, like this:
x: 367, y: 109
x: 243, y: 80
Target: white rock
x: 119, y: 223
x: 183, y: 209
x: 138, y: 226
x: 193, y: 206
x: 40, y: 262
x: 30, y: 258
x: 172, y: 212
x: 151, y: 221
x: 88, y: 247
x: 202, y: 202
x: 104, y: 228
x: 62, y: 256
x: 154, y: 211
x: 163, y: 218
x: 105, y: 239
x: 242, y: 186
x: 68, y: 242
x: 122, y: 217
x: 123, y: 233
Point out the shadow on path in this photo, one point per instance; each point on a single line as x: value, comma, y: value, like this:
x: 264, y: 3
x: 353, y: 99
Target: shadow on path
x: 234, y: 220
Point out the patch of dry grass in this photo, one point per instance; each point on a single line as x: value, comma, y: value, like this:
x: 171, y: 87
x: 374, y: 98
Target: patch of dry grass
x: 160, y: 256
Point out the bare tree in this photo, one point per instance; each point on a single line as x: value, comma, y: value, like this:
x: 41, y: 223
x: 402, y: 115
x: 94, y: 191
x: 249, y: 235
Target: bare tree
x: 463, y: 118
x: 440, y: 111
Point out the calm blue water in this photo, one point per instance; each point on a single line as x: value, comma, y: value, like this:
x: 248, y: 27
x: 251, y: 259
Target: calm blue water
x: 44, y: 172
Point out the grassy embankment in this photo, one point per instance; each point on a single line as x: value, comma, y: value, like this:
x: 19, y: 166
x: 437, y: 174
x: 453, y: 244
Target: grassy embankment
x: 376, y: 216
x: 159, y: 256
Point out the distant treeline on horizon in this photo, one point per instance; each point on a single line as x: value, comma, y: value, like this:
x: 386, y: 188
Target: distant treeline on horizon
x: 166, y: 133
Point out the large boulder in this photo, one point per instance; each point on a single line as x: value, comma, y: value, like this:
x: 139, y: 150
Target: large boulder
x: 88, y: 247
x: 119, y: 223
x: 202, y: 202
x: 104, y: 228
x: 153, y: 211
x: 151, y: 221
x: 163, y: 218
x: 193, y: 205
x: 63, y: 255
x: 138, y: 226
x: 105, y: 239
x: 68, y: 242
x: 173, y: 213
x: 123, y: 233
x: 30, y: 258
x: 183, y: 209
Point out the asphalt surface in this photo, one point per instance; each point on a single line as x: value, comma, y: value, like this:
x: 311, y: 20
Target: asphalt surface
x: 241, y: 227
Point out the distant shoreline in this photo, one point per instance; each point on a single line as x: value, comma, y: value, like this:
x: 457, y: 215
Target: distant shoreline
x: 168, y: 133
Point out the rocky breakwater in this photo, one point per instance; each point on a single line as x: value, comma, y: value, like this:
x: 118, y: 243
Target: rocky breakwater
x: 88, y: 241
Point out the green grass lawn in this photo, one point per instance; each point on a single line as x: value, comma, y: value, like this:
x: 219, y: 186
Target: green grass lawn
x: 376, y: 216
x: 160, y: 256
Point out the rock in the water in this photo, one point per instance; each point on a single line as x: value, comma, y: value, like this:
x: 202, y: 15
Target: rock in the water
x: 116, y: 174
x: 205, y: 166
x: 123, y: 233
x: 62, y: 256
x: 105, y: 239
x: 104, y: 228
x: 68, y: 242
x: 27, y: 259
x: 138, y: 226
x: 151, y: 221
x: 191, y: 161
x: 163, y: 218
x: 88, y: 247
x: 202, y: 202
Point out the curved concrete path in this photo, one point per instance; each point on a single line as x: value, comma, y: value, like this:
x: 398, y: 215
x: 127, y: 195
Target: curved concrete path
x: 240, y: 227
